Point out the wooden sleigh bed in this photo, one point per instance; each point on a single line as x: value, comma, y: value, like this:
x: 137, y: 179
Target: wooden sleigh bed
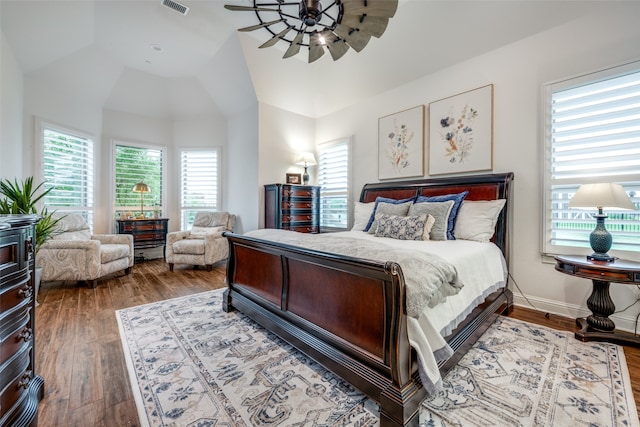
x: 349, y: 314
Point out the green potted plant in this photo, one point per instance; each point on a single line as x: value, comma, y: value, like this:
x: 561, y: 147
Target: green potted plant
x: 21, y: 197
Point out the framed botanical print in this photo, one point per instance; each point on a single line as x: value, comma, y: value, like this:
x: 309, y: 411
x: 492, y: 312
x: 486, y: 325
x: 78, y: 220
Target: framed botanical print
x: 401, y: 144
x: 461, y: 132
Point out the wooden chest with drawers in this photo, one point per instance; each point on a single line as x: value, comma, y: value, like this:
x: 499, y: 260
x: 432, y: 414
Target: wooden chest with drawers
x: 20, y: 387
x: 292, y: 207
x: 147, y: 233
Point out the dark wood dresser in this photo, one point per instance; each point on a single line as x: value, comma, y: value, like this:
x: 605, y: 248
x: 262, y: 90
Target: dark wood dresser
x: 147, y: 233
x: 292, y: 207
x: 20, y: 387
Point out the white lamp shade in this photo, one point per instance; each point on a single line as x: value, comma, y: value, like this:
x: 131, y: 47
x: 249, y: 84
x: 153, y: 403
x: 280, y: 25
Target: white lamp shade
x: 602, y: 196
x: 306, y: 159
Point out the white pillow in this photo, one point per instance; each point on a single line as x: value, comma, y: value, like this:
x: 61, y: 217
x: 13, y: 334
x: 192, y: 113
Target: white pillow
x: 361, y: 214
x: 477, y: 219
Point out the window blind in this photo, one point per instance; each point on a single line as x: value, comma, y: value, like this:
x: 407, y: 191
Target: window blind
x: 67, y: 167
x: 334, y: 180
x: 199, y: 183
x: 594, y: 136
x: 135, y: 164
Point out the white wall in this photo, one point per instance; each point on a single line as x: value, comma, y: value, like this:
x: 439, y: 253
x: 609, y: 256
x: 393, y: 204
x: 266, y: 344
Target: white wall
x: 283, y: 135
x: 241, y: 192
x: 11, y: 103
x: 517, y: 72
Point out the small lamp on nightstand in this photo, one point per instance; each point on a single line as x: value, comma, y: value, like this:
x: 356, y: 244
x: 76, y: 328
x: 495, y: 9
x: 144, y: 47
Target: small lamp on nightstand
x: 306, y: 159
x: 141, y: 188
x: 601, y: 196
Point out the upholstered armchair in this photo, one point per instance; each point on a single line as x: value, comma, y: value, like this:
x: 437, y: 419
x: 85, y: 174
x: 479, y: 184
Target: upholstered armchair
x: 203, y: 244
x: 73, y: 253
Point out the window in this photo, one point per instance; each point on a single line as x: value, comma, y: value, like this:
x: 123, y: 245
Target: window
x: 67, y: 166
x: 199, y: 183
x: 593, y: 135
x: 138, y: 163
x: 334, y: 179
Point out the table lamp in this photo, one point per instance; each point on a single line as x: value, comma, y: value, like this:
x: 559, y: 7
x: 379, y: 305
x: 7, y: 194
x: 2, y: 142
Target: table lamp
x: 306, y: 159
x: 141, y: 188
x: 601, y: 196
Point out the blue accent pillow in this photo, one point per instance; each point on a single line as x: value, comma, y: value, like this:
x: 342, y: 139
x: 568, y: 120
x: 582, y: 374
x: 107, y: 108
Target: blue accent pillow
x: 385, y: 200
x: 457, y: 201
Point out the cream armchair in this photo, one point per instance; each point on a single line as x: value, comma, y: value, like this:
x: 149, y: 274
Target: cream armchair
x: 73, y: 253
x: 203, y: 244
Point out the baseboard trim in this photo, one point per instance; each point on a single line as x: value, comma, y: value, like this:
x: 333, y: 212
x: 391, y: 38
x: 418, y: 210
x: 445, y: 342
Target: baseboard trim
x: 624, y: 323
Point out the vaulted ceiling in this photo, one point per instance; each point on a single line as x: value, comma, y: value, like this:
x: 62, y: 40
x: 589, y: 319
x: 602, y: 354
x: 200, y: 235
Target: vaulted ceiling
x: 141, y: 57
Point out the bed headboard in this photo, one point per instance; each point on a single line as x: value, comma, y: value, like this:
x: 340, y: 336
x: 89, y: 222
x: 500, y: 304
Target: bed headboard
x: 480, y: 187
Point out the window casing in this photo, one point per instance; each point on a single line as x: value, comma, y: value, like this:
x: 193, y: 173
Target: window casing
x: 199, y: 183
x: 592, y: 134
x: 135, y: 163
x: 67, y: 166
x: 334, y: 178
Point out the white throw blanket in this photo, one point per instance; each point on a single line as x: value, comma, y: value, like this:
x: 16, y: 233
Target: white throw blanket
x: 429, y: 278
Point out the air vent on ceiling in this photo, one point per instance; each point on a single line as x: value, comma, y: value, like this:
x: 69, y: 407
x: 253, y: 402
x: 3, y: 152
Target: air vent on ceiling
x: 176, y: 6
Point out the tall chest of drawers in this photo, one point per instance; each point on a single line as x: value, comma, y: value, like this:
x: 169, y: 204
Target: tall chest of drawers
x: 20, y: 387
x: 292, y: 207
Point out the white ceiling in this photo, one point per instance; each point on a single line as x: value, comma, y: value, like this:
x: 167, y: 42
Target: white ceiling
x: 206, y: 65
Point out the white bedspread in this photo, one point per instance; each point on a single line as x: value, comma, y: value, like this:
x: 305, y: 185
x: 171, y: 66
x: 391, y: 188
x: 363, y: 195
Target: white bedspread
x: 479, y: 266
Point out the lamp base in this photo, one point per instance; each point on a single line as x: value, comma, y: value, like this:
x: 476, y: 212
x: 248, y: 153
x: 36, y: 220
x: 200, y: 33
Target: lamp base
x: 305, y: 177
x: 600, y: 257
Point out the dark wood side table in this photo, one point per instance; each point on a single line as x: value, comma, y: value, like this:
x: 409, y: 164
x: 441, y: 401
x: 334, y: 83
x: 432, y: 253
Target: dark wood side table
x: 598, y: 326
x: 147, y: 233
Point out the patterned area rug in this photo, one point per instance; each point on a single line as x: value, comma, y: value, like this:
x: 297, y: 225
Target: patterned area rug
x: 191, y: 364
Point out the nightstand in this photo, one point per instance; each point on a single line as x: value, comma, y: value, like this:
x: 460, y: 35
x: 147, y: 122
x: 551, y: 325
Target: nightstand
x: 598, y: 326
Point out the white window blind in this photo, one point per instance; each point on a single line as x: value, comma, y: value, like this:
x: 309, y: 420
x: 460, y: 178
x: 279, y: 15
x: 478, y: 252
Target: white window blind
x: 67, y: 167
x: 593, y: 127
x: 199, y: 183
x: 136, y: 163
x: 334, y: 180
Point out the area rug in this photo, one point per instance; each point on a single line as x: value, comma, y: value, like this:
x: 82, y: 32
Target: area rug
x: 191, y: 364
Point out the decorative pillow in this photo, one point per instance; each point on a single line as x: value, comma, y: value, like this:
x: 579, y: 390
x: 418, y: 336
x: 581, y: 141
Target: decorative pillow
x: 361, y: 214
x: 477, y: 219
x: 440, y: 211
x: 375, y: 207
x: 457, y: 201
x: 200, y: 232
x: 211, y: 219
x: 400, y: 227
x: 399, y: 209
x: 428, y: 226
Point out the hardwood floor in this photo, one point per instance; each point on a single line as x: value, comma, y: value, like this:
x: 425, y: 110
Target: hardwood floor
x: 79, y: 354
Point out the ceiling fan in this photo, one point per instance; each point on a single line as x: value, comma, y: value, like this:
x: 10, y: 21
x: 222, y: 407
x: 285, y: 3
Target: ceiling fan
x: 337, y: 26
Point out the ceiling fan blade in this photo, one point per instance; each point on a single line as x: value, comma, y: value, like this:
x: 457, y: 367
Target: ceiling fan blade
x: 374, y: 25
x: 264, y: 24
x: 248, y: 8
x: 337, y: 48
x: 315, y: 51
x: 295, y: 45
x: 381, y: 8
x: 354, y: 38
x: 316, y: 46
x: 273, y: 40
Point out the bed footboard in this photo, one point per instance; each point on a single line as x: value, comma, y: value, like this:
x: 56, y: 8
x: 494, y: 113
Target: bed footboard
x: 343, y: 312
